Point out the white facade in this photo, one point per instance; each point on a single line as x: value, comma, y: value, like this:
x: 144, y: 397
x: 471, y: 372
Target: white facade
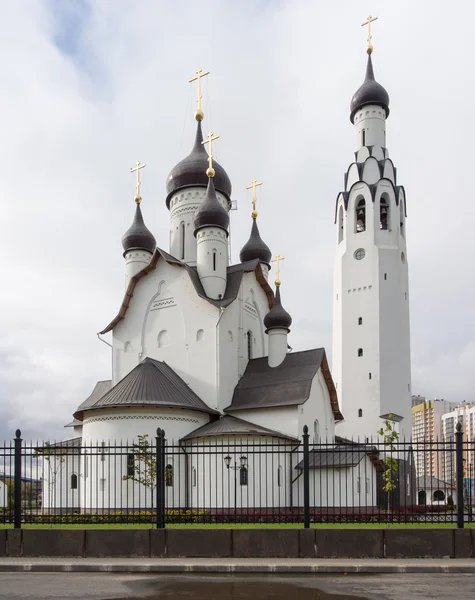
x: 371, y: 341
x: 3, y: 494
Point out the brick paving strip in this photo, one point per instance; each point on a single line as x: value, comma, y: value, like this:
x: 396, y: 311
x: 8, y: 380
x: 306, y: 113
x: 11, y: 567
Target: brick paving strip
x: 235, y: 565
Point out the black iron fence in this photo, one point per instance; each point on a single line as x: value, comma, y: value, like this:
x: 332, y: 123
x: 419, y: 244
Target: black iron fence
x: 236, y: 480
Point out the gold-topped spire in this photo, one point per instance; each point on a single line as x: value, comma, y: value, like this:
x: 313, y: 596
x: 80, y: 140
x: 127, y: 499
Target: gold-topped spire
x: 277, y: 260
x: 368, y: 22
x: 136, y: 169
x: 199, y: 114
x: 253, y: 186
x: 211, y: 137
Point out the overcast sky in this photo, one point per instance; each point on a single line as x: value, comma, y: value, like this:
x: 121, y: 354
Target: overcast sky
x: 89, y: 87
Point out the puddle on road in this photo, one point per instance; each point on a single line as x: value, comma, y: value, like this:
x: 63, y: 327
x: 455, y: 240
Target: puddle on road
x: 214, y: 588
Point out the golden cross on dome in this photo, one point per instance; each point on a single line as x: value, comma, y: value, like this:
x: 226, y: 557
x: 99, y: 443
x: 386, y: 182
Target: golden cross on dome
x: 211, y: 137
x: 136, y: 169
x: 277, y: 260
x: 199, y: 114
x: 252, y: 187
x: 368, y: 22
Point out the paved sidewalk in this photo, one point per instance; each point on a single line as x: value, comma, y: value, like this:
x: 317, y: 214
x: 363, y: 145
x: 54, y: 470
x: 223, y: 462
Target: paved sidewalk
x: 235, y: 565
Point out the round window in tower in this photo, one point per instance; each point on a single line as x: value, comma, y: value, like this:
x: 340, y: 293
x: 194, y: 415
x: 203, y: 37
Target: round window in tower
x: 403, y: 258
x: 360, y: 254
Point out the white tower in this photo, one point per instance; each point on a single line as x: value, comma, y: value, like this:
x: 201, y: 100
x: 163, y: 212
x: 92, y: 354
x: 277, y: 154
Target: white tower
x: 371, y: 341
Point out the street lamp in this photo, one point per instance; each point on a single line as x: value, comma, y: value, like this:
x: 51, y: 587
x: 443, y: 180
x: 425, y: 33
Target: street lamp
x: 235, y: 468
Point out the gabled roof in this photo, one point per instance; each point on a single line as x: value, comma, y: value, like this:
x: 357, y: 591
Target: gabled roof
x: 234, y: 272
x: 74, y: 423
x: 288, y: 384
x: 426, y: 482
x: 151, y: 383
x: 101, y: 388
x: 228, y: 425
x: 72, y: 445
x: 340, y: 457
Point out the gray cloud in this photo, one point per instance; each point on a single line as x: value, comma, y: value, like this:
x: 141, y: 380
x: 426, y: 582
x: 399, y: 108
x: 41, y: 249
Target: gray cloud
x: 87, y: 92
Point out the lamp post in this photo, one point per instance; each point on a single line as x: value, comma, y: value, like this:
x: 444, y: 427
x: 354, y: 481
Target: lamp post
x: 235, y: 468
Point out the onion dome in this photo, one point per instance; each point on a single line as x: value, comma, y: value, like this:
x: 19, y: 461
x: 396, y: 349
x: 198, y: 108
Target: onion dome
x: 138, y: 237
x: 211, y: 213
x: 255, y: 247
x: 277, y: 317
x: 191, y: 171
x: 371, y: 92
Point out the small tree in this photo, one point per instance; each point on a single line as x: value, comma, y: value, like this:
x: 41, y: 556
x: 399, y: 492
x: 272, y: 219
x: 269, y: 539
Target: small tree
x: 143, y: 468
x: 390, y: 437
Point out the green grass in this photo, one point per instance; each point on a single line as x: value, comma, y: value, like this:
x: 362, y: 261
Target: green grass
x: 248, y: 526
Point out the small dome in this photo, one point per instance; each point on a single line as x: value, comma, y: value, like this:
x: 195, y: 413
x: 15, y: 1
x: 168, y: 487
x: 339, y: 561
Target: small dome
x: 277, y: 317
x: 211, y: 213
x: 255, y: 247
x: 191, y: 171
x: 371, y: 92
x: 138, y: 236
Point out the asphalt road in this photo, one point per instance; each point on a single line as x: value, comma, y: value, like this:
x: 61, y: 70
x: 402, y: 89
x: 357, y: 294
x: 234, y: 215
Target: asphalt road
x: 98, y: 586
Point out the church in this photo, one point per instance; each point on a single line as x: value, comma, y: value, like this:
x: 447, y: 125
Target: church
x: 200, y: 347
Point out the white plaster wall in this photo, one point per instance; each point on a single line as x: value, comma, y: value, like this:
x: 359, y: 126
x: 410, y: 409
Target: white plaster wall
x: 135, y: 261
x: 212, y: 260
x: 3, y: 495
x: 317, y: 408
x: 183, y: 205
x: 57, y: 492
x: 284, y: 419
x: 373, y: 120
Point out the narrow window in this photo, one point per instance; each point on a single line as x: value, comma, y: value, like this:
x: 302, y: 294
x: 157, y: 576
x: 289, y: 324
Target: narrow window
x: 249, y: 344
x: 369, y: 375
x: 385, y: 276
x: 367, y: 485
x: 401, y: 217
x: 193, y: 477
x: 243, y: 476
x: 102, y: 484
x: 405, y: 295
x: 383, y: 213
x: 363, y: 137
x: 361, y: 216
x: 169, y: 475
x: 214, y: 260
x: 200, y: 335
x: 358, y: 485
x: 130, y: 465
x: 103, y: 457
x: 74, y: 481
x: 360, y: 351
x: 340, y: 224
x: 360, y: 320
x: 182, y: 239
x: 316, y: 432
x: 360, y: 412
x: 279, y: 475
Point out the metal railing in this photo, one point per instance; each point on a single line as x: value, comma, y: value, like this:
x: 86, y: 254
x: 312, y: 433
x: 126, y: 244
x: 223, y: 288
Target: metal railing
x: 236, y: 480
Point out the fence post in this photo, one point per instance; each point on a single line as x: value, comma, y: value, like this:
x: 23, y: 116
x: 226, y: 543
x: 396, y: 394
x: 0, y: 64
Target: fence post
x: 306, y: 479
x: 160, y: 478
x: 17, y: 481
x: 459, y: 473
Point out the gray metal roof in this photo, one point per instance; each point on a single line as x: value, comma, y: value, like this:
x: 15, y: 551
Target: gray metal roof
x: 336, y: 458
x: 288, y: 384
x: 74, y: 423
x: 72, y: 444
x: 228, y: 425
x: 101, y: 388
x: 426, y: 482
x: 152, y: 383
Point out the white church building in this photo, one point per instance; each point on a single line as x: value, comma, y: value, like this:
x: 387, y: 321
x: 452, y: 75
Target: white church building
x: 200, y: 346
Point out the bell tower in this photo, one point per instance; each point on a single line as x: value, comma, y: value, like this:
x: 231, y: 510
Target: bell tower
x: 371, y: 338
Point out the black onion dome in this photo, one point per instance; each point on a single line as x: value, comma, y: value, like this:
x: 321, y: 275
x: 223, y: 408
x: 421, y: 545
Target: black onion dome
x: 371, y: 92
x: 277, y: 317
x: 191, y: 171
x: 138, y: 236
x: 255, y: 247
x: 211, y: 213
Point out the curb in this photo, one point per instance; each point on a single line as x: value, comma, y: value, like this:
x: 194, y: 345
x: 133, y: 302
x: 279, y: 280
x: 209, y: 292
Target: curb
x: 305, y: 566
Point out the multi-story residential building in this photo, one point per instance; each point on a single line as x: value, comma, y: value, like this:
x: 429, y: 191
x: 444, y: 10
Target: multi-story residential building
x: 464, y: 413
x: 427, y: 435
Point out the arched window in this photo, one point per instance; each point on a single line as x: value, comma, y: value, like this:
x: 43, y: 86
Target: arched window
x: 127, y: 347
x: 200, y: 335
x: 363, y: 137
x: 360, y: 216
x: 280, y: 472
x: 360, y: 320
x: 249, y: 344
x: 193, y: 476
x: 243, y: 476
x: 340, y: 224
x: 169, y: 475
x: 360, y: 351
x: 230, y: 335
x: 401, y: 216
x: 316, y: 432
x: 383, y: 213
x: 163, y: 339
x: 182, y: 239
x: 74, y: 481
x: 360, y: 412
x: 214, y: 260
x: 439, y: 496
